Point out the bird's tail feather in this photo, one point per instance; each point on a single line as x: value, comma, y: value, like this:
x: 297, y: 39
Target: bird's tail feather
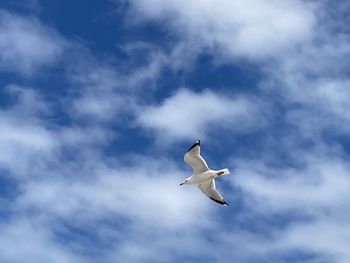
x: 223, y: 172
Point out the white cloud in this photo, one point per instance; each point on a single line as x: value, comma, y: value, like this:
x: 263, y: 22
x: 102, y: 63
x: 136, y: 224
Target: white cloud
x: 24, y: 139
x: 316, y: 105
x: 100, y: 106
x: 28, y: 102
x: 106, y: 91
x: 154, y: 198
x: 26, y: 44
x: 325, y: 237
x: 312, y: 197
x: 65, y: 180
x: 30, y: 139
x: 320, y: 183
x: 251, y: 28
x: 187, y: 114
x: 25, y: 239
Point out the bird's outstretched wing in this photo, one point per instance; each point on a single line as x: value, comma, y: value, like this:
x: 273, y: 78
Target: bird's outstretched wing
x: 208, y: 188
x: 195, y: 160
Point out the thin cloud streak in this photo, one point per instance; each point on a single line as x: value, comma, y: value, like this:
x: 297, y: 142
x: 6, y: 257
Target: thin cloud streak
x: 27, y: 45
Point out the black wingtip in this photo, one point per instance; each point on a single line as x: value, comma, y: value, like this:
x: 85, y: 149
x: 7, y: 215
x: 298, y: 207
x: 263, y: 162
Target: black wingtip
x: 219, y: 201
x: 198, y: 142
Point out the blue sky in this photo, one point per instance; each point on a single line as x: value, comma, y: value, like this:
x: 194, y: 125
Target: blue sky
x: 99, y: 100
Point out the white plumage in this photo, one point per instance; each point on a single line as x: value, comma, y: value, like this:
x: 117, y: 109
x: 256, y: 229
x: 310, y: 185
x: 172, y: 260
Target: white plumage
x: 202, y: 175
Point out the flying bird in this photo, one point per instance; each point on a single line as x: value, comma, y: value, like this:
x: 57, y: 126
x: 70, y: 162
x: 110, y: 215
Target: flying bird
x: 202, y: 175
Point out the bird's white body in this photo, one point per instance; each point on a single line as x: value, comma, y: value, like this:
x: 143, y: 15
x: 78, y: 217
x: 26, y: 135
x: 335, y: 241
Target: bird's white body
x: 205, y: 176
x: 202, y: 175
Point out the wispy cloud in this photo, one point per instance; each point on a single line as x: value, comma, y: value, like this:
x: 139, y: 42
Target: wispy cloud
x: 193, y: 115
x: 25, y: 238
x: 302, y: 187
x: 66, y: 181
x: 254, y: 28
x: 26, y: 44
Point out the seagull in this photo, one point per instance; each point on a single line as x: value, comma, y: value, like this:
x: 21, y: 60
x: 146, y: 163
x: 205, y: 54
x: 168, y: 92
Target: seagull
x: 202, y: 175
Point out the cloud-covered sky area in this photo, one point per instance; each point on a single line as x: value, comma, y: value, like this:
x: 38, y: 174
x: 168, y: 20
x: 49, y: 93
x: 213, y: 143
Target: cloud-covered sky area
x: 99, y: 100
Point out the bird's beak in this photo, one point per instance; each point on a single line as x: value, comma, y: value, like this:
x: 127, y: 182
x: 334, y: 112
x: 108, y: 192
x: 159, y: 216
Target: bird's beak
x: 182, y: 184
